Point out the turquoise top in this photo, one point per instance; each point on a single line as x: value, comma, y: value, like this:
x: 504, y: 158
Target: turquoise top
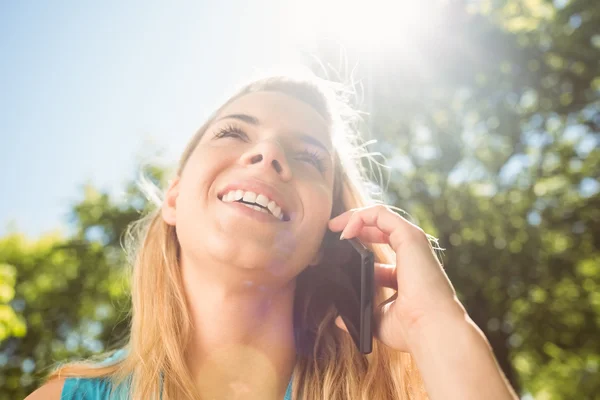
x: 99, y: 388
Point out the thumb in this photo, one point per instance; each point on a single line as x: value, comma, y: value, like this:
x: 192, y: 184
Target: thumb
x: 340, y: 324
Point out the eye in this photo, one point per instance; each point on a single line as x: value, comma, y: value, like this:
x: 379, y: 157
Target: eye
x: 233, y: 131
x: 313, y: 158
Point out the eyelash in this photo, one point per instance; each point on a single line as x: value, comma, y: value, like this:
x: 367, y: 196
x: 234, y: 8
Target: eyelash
x: 230, y: 129
x: 315, y: 158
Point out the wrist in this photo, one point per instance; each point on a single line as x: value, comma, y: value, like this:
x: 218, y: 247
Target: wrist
x: 454, y: 357
x: 435, y: 323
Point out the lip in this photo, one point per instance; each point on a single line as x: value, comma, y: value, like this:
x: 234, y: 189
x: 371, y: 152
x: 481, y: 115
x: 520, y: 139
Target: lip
x: 258, y: 187
x: 258, y: 215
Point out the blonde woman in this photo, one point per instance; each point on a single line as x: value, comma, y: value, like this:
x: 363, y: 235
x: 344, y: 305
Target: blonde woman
x: 228, y: 298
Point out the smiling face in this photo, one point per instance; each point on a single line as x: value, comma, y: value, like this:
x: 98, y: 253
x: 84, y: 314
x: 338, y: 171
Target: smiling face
x: 270, y: 144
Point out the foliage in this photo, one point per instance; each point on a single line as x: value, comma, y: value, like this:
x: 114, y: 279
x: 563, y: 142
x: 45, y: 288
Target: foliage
x: 492, y: 143
x: 491, y: 133
x: 66, y: 297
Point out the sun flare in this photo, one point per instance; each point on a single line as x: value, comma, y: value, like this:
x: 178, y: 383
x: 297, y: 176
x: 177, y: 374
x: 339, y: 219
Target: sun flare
x: 382, y: 25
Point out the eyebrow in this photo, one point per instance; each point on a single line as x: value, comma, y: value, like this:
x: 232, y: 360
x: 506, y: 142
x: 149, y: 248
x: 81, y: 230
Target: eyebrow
x: 249, y: 119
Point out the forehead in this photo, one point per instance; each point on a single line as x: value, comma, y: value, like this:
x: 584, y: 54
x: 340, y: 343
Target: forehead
x: 279, y: 111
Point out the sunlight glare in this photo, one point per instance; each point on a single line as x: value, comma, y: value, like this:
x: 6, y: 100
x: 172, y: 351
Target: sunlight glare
x: 376, y: 25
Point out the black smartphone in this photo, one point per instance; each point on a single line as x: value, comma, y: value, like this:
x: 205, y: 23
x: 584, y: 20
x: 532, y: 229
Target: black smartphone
x: 354, y: 293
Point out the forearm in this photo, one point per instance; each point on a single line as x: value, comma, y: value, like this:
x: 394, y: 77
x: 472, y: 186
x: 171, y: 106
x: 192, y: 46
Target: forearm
x: 456, y: 360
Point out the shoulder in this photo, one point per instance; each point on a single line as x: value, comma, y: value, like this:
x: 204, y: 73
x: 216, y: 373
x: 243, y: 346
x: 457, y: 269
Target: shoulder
x: 50, y: 391
x: 73, y: 389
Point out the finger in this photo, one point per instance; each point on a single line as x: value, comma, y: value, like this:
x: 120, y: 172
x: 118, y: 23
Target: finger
x: 399, y: 229
x: 386, y: 325
x: 353, y: 227
x: 385, y: 275
x: 338, y: 223
x: 373, y: 235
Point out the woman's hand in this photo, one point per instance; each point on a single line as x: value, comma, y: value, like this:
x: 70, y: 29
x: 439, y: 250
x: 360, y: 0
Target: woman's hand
x: 425, y: 319
x: 425, y: 295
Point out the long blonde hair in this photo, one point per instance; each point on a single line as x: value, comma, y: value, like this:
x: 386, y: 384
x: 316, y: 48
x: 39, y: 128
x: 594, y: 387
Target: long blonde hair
x: 328, y: 367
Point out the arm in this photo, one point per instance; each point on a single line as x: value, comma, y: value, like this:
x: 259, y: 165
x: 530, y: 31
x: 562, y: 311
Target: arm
x: 49, y: 391
x: 456, y: 360
x: 425, y: 317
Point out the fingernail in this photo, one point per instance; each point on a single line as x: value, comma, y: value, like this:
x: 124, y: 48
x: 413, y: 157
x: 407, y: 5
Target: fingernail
x: 342, y: 236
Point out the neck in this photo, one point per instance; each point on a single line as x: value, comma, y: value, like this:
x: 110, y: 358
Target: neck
x: 242, y: 345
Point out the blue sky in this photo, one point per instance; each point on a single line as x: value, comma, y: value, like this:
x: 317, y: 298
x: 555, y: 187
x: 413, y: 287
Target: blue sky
x: 85, y: 88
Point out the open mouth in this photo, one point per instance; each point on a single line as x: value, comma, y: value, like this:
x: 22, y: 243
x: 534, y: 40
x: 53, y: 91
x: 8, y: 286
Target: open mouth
x: 270, y: 208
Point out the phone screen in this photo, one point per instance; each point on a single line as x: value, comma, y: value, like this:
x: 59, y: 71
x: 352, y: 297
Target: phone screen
x: 354, y: 290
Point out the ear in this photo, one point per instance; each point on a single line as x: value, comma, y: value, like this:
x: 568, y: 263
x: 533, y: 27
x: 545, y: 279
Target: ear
x: 169, y: 204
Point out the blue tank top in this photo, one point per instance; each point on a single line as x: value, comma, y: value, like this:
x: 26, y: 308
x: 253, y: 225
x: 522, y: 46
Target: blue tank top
x: 99, y: 388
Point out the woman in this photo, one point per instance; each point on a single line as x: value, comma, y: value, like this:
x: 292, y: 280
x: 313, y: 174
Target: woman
x: 228, y: 298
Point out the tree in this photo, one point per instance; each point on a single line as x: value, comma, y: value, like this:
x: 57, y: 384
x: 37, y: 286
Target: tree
x: 491, y: 132
x: 66, y: 297
x: 493, y: 148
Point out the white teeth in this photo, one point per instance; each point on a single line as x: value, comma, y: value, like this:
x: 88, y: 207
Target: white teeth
x: 257, y: 208
x: 250, y: 197
x: 238, y: 195
x: 262, y: 200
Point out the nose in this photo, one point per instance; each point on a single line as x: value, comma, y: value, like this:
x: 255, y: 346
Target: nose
x: 270, y: 155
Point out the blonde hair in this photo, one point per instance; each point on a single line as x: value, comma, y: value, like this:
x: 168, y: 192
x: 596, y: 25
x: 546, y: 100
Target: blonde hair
x: 329, y: 366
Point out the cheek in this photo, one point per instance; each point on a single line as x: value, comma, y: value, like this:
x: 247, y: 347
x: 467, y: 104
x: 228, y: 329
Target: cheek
x: 318, y: 203
x: 203, y: 168
x: 193, y: 196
